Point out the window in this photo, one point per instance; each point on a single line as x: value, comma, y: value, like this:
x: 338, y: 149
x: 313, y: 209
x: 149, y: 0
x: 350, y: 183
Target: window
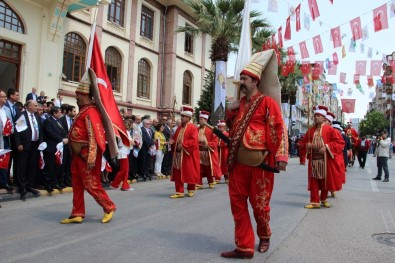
x: 188, y: 44
x: 74, y: 57
x: 143, y: 79
x: 113, y: 66
x: 9, y: 19
x: 147, y: 23
x: 116, y: 12
x: 10, y: 50
x: 187, y: 88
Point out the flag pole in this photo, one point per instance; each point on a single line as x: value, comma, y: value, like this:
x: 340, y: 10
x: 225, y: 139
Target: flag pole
x: 92, y: 35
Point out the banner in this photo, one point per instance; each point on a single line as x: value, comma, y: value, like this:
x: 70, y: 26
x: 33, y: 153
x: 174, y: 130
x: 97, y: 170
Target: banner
x: 348, y: 105
x: 220, y: 91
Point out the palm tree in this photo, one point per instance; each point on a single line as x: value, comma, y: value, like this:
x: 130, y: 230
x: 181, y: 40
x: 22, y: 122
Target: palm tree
x: 222, y: 21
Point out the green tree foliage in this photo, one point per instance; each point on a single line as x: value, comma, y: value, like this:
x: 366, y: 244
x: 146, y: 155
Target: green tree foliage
x: 373, y: 122
x: 206, y: 97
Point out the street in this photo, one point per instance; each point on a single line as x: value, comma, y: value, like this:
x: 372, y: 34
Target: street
x: 148, y: 226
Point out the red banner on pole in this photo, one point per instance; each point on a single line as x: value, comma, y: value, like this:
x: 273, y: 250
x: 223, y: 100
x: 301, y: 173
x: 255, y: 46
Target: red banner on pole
x: 348, y: 105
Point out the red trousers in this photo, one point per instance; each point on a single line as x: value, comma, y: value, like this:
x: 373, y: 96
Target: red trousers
x: 315, y: 186
x: 205, y: 171
x: 302, y: 159
x: 122, y: 175
x: 180, y: 184
x: 83, y: 178
x: 246, y: 182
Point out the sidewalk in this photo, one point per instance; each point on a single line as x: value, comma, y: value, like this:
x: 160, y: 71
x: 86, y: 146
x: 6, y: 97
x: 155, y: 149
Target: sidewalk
x: 4, y: 196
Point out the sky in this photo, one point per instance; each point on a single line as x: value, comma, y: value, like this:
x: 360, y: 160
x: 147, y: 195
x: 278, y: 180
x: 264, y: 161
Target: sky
x: 340, y: 13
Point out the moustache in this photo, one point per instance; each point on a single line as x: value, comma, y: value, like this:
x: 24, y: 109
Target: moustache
x: 242, y: 86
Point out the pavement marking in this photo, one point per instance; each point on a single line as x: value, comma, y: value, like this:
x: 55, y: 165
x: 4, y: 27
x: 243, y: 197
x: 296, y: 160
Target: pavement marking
x: 374, y: 186
x: 388, y: 221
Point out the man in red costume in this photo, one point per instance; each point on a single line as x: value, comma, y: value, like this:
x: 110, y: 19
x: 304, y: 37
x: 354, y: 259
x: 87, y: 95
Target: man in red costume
x: 87, y: 142
x: 323, y: 145
x: 222, y: 151
x: 301, y: 152
x: 258, y: 134
x: 186, y: 162
x: 352, y: 134
x: 208, y: 142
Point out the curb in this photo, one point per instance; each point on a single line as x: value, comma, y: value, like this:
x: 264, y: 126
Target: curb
x: 4, y: 196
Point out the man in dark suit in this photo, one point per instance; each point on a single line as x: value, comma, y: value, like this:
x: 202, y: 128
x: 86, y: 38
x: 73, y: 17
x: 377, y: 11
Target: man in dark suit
x: 53, y: 134
x: 168, y: 157
x: 66, y: 121
x: 148, y: 141
x: 32, y: 95
x: 12, y: 98
x: 28, y: 136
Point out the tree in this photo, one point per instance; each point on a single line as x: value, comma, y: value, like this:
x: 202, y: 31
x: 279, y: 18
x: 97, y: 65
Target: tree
x: 206, y: 97
x: 373, y: 122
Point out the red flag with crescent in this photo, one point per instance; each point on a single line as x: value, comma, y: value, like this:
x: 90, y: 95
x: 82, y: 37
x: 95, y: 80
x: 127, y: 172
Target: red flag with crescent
x: 106, y: 92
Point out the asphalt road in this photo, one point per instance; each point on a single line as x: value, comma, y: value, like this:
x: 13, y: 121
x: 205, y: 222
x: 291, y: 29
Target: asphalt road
x: 148, y: 226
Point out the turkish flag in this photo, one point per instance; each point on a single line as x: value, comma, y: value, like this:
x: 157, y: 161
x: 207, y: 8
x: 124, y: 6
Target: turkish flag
x: 375, y: 67
x: 4, y: 160
x: 280, y: 37
x: 291, y: 54
x: 287, y: 34
x: 317, y: 44
x: 314, y: 9
x: 320, y: 65
x: 342, y: 78
x: 106, y: 92
x: 356, y: 28
x: 380, y: 18
x: 297, y: 11
x: 303, y: 50
x: 360, y: 67
x: 335, y: 58
x: 336, y: 37
x: 274, y: 45
x: 316, y: 71
x: 348, y: 105
x: 291, y: 66
x: 305, y: 68
x: 284, y: 70
x: 370, y: 81
x: 333, y: 68
x: 356, y: 79
x: 7, y: 128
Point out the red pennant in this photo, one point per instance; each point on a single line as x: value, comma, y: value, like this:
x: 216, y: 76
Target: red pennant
x: 105, y: 90
x: 348, y: 105
x: 356, y: 79
x: 370, y: 81
x: 360, y: 67
x: 303, y: 50
x: 280, y: 37
x: 392, y: 64
x: 284, y: 70
x: 375, y: 67
x: 314, y: 9
x: 287, y: 34
x: 342, y: 78
x: 335, y: 58
x: 321, y: 66
x: 305, y: 68
x: 291, y: 54
x: 380, y: 18
x: 274, y: 45
x: 333, y: 69
x: 317, y: 44
x: 291, y: 66
x: 297, y: 11
x: 336, y: 37
x: 356, y: 28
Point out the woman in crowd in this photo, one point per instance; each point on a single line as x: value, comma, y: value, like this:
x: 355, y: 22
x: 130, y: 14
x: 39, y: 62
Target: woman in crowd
x: 161, y: 148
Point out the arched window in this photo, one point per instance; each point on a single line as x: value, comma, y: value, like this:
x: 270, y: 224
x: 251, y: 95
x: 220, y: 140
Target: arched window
x: 9, y: 19
x: 187, y: 88
x: 116, y: 12
x: 74, y: 57
x: 143, y: 79
x: 113, y: 66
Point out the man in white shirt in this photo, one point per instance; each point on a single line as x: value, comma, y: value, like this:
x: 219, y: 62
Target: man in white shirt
x: 382, y: 152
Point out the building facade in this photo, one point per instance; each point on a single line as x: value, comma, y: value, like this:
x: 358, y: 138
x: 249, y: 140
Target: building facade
x: 152, y: 68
